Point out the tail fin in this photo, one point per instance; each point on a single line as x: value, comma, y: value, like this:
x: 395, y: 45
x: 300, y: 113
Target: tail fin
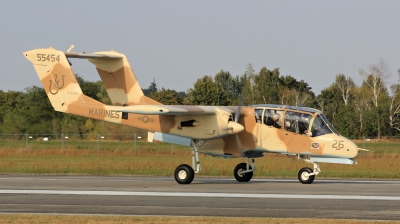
x: 57, y: 77
x: 119, y: 80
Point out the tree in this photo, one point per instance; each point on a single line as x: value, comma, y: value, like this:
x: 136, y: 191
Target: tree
x: 346, y: 86
x: 206, y: 92
x: 375, y: 81
x: 230, y: 85
x: 151, y: 89
x: 8, y: 102
x: 248, y: 85
x: 167, y: 97
x: 394, y: 108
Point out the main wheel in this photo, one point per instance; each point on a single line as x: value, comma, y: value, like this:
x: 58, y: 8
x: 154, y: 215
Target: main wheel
x: 184, y: 174
x: 244, y: 177
x: 304, y: 176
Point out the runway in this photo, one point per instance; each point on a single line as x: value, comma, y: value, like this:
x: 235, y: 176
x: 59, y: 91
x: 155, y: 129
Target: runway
x: 115, y: 195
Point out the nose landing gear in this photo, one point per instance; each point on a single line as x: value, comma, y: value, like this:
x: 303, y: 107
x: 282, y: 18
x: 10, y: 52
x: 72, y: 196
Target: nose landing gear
x: 306, y: 175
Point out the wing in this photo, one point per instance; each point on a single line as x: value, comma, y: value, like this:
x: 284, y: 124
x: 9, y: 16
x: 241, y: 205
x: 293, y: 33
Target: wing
x: 170, y: 110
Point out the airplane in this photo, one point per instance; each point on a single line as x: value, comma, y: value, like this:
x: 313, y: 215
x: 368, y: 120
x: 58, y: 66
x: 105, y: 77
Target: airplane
x: 219, y: 131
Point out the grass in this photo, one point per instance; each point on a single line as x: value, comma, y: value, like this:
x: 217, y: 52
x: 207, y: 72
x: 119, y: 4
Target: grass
x: 26, y: 218
x: 160, y: 159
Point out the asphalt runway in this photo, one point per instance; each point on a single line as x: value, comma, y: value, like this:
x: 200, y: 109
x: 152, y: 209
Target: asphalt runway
x: 115, y: 195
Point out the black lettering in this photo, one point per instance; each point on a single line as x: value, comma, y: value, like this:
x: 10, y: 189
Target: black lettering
x: 91, y: 111
x: 100, y: 113
x: 108, y: 113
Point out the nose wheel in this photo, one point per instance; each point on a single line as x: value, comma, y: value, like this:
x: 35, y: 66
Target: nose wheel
x: 305, y: 177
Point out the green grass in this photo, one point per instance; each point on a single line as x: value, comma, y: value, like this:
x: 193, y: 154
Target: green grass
x: 107, y: 157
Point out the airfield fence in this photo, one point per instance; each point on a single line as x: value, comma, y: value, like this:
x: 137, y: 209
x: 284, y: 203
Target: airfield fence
x: 123, y: 141
x: 79, y: 141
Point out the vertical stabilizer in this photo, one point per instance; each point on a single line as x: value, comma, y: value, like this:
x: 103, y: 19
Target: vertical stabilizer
x: 57, y: 77
x: 119, y: 80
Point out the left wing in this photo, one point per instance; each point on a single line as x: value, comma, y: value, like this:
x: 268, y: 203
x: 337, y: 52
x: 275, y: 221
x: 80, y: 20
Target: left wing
x: 171, y: 110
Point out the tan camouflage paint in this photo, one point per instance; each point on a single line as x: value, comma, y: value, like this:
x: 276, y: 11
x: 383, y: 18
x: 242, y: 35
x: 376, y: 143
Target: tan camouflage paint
x: 120, y: 81
x: 211, y: 122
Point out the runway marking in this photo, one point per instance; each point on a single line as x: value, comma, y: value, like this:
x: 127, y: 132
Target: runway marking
x: 210, y: 195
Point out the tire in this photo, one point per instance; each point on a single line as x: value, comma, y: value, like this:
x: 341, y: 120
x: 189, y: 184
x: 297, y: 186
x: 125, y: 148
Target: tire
x: 246, y: 177
x: 184, y: 174
x: 302, y: 176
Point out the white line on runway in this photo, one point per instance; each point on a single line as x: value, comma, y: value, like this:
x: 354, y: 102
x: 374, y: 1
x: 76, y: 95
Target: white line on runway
x: 211, y: 195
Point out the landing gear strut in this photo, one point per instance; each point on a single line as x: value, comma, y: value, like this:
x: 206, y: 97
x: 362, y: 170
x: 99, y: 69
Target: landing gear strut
x: 306, y: 175
x: 184, y: 174
x: 244, y: 172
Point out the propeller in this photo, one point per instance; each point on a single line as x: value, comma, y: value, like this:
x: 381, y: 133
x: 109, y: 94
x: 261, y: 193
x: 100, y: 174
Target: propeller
x: 237, y: 116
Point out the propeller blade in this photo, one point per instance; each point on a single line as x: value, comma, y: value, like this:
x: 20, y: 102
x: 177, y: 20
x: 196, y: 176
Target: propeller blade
x: 237, y: 116
x: 239, y: 145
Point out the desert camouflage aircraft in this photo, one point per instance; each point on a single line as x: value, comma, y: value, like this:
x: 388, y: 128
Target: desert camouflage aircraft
x: 219, y: 131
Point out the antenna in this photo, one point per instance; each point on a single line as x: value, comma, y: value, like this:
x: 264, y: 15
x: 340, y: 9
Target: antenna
x: 70, y: 48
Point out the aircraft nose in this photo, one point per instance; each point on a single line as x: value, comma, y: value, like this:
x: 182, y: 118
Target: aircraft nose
x: 234, y: 128
x: 353, y: 150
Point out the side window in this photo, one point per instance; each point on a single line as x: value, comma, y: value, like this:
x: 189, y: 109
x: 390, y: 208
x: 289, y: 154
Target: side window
x: 297, y: 122
x: 304, y: 123
x: 268, y: 118
x: 290, y: 121
x: 273, y: 118
x: 257, y: 115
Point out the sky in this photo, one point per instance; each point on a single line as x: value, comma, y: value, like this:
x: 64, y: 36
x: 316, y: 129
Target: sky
x: 176, y: 42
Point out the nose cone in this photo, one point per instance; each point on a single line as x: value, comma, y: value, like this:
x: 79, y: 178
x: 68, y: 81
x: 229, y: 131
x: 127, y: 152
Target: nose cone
x: 351, y: 148
x: 234, y: 128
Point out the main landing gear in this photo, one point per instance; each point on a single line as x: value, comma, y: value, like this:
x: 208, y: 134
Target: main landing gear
x: 306, y: 175
x: 184, y: 174
x: 244, y: 172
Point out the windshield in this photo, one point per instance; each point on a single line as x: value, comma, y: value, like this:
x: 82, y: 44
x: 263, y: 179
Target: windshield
x: 321, y: 126
x: 329, y: 124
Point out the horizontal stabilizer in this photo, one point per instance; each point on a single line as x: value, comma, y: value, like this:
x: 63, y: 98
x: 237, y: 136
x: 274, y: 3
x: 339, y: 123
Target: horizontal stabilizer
x: 98, y: 56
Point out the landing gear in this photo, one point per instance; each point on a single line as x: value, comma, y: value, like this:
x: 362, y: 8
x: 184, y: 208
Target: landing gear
x: 306, y: 175
x: 243, y: 171
x: 184, y: 174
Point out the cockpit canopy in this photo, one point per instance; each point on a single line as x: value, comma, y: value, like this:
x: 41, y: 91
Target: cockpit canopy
x: 301, y: 120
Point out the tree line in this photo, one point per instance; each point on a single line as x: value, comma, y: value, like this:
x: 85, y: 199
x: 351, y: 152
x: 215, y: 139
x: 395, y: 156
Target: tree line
x: 368, y: 109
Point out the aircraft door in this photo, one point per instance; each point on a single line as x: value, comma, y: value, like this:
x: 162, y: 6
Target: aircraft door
x: 272, y: 133
x: 257, y: 132
x: 297, y: 138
